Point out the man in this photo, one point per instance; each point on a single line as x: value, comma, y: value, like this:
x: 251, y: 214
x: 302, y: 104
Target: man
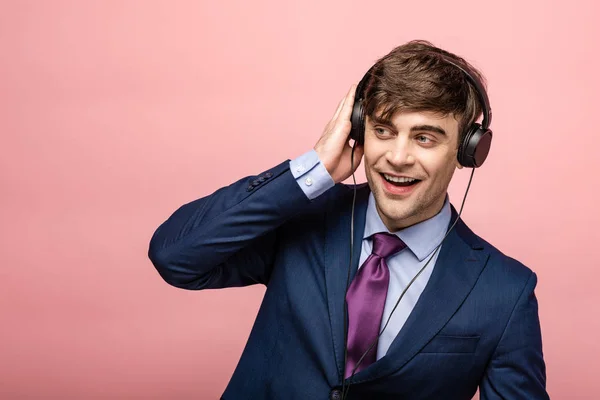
x: 468, y: 320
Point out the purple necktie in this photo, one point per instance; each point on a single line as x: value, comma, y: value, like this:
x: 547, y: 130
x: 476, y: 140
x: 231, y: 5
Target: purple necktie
x: 366, y: 299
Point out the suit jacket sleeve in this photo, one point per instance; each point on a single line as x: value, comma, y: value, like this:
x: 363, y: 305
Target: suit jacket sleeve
x: 228, y: 238
x: 517, y: 369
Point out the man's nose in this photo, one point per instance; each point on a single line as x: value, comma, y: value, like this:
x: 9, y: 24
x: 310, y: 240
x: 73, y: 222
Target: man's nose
x: 400, y: 153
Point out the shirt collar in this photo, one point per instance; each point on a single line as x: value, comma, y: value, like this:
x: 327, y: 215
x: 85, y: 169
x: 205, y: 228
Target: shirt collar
x: 421, y: 238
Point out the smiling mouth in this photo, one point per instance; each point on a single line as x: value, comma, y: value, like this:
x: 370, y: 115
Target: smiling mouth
x: 400, y: 181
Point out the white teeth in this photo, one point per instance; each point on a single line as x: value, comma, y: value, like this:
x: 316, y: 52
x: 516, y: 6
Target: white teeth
x: 399, y: 180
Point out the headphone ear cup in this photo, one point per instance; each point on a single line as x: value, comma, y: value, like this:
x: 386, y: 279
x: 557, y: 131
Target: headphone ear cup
x: 357, y: 131
x: 475, y: 147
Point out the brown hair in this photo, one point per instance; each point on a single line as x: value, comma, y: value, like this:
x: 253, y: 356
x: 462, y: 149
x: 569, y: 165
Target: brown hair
x: 416, y: 77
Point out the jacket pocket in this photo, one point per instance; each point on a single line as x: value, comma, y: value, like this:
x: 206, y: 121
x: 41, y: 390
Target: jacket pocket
x: 451, y: 344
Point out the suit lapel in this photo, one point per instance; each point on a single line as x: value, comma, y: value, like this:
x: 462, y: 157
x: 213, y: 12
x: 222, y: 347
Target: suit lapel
x: 456, y: 271
x: 337, y: 259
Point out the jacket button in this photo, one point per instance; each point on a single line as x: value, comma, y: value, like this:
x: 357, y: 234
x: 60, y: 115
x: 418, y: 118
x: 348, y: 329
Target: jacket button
x: 268, y: 175
x: 335, y: 394
x: 250, y: 188
x: 255, y: 182
x: 262, y: 179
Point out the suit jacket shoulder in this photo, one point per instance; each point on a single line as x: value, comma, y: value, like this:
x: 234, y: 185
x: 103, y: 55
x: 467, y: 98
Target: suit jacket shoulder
x: 508, y: 267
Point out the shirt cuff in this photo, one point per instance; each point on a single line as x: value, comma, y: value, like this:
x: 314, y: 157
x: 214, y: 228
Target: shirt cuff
x: 311, y: 175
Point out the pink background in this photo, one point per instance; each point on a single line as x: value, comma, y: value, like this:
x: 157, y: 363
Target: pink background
x: 114, y: 113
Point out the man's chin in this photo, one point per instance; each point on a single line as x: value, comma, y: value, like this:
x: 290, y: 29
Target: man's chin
x: 398, y: 215
x: 395, y: 213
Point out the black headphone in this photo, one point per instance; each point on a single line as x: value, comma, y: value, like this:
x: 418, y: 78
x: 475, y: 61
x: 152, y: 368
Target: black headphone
x: 476, y: 143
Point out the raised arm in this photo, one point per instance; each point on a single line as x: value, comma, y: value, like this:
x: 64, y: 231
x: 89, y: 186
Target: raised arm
x: 229, y: 238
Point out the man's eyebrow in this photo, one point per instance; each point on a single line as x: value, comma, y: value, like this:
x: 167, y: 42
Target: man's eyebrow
x: 383, y: 121
x: 417, y: 128
x: 428, y: 128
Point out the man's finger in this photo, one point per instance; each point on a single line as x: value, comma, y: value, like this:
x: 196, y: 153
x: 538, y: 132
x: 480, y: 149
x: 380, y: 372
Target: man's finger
x: 339, y: 108
x: 348, y: 103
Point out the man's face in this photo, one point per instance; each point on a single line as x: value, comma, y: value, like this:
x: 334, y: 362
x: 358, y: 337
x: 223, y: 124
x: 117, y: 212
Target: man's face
x: 416, y: 145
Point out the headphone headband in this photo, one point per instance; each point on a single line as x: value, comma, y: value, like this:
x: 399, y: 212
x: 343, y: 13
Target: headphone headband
x: 486, y: 109
x: 481, y: 94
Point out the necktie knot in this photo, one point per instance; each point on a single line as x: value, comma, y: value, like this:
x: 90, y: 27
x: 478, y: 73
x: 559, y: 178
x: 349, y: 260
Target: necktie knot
x: 385, y: 244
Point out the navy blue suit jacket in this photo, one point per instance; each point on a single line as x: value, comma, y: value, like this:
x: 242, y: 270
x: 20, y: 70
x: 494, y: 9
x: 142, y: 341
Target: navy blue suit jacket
x: 476, y: 323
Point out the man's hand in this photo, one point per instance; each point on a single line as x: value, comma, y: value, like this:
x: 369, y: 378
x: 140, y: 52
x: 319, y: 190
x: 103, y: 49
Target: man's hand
x: 333, y: 147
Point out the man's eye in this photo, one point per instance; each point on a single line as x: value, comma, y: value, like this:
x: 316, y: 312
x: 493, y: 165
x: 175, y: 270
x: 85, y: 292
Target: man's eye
x: 381, y: 131
x: 423, y: 139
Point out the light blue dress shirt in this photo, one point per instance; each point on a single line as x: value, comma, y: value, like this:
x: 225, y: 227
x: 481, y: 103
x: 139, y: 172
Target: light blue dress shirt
x: 421, y: 240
